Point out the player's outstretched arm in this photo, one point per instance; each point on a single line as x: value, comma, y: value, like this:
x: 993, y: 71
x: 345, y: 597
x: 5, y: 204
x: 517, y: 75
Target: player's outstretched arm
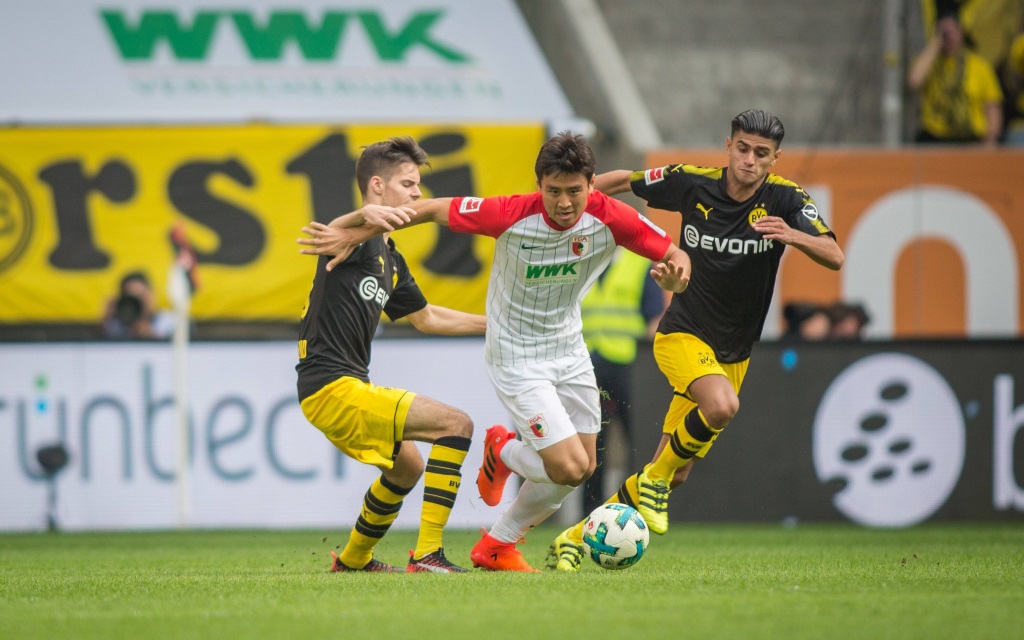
x: 822, y: 249
x: 672, y: 273
x: 447, y: 322
x: 375, y: 215
x: 346, y: 232
x: 612, y: 182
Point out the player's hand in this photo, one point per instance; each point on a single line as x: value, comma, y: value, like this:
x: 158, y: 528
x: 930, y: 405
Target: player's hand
x: 326, y: 240
x: 775, y: 228
x: 386, y: 218
x: 671, y: 276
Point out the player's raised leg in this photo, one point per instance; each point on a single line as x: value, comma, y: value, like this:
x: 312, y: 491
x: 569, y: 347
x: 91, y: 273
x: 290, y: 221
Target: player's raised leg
x: 494, y: 472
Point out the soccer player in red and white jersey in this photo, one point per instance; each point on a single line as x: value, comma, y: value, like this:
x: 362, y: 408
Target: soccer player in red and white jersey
x: 550, y: 247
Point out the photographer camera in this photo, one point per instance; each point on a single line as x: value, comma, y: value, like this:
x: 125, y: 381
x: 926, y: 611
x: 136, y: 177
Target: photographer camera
x: 132, y: 315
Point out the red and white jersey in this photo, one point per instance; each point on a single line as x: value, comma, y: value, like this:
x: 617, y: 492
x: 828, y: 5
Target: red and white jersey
x: 541, y: 272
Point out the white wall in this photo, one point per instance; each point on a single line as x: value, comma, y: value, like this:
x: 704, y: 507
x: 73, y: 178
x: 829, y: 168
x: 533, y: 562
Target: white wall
x: 256, y: 461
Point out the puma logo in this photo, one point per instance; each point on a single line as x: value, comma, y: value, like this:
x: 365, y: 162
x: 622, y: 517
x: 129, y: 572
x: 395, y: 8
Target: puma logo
x: 706, y: 212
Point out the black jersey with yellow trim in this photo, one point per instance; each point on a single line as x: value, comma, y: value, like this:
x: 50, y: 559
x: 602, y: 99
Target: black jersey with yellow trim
x: 343, y: 311
x: 734, y: 266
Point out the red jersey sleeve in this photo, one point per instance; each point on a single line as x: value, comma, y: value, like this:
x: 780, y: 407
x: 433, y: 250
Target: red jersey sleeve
x: 629, y: 228
x: 489, y: 216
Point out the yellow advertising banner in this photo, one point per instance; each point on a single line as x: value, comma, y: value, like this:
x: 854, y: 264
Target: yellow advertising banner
x: 933, y: 237
x: 81, y: 207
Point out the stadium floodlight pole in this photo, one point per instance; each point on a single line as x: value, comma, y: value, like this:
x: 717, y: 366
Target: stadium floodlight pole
x: 628, y: 108
x: 182, y: 283
x: 893, y: 75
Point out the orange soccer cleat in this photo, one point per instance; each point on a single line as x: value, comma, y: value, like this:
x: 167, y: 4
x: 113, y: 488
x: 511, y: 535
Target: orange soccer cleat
x: 494, y: 555
x: 493, y: 473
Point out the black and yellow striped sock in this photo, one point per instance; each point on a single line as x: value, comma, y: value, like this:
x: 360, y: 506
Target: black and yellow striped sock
x: 627, y: 494
x: 440, y: 486
x: 683, y: 443
x: 380, y: 508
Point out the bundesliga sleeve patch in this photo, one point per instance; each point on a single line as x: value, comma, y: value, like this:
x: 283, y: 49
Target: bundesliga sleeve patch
x: 470, y: 205
x: 654, y: 227
x: 654, y: 175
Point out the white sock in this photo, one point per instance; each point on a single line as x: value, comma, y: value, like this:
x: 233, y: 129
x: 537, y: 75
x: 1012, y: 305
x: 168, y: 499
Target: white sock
x: 524, y: 460
x: 535, y: 502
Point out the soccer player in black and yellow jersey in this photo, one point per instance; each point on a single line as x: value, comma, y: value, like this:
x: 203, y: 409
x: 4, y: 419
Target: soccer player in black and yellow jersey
x: 736, y: 222
x: 376, y: 424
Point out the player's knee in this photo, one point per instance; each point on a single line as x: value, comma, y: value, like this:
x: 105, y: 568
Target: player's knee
x: 570, y: 473
x: 721, y: 413
x: 459, y: 424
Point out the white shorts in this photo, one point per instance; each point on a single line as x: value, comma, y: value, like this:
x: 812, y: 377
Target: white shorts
x: 550, y: 401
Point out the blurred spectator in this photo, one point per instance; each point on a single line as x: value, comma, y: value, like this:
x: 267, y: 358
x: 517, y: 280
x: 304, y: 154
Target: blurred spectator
x: 961, y: 99
x: 1015, y: 80
x: 133, y: 315
x: 806, y: 322
x: 847, y: 321
x: 989, y: 25
x: 837, y: 321
x: 992, y: 27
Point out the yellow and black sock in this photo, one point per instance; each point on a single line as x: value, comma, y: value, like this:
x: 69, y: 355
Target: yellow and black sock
x: 380, y: 508
x: 440, y: 486
x: 689, y: 438
x: 627, y: 494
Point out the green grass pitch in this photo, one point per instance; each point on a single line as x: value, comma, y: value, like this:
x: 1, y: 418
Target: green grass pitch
x: 697, y: 581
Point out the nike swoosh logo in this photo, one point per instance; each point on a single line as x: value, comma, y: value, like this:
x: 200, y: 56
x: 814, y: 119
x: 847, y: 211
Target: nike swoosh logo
x: 524, y: 246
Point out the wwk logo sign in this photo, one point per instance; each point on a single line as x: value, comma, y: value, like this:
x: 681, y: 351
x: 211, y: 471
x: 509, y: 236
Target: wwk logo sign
x: 190, y: 37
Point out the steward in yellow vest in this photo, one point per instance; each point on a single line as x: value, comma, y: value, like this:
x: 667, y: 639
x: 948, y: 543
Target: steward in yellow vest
x: 612, y: 319
x: 616, y: 313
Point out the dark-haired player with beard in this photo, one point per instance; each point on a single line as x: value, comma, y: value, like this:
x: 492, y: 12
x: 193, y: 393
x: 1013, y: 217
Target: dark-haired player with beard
x: 375, y: 424
x: 736, y: 222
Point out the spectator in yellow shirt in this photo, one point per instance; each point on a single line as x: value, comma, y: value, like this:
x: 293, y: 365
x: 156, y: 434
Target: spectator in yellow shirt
x: 961, y: 99
x: 1015, y: 127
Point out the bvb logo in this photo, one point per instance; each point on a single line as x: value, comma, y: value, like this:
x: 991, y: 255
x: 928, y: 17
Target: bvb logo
x: 707, y: 359
x: 15, y: 219
x: 756, y: 215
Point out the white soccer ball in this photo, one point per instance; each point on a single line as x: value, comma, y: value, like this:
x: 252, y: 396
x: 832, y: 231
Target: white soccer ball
x: 615, y: 536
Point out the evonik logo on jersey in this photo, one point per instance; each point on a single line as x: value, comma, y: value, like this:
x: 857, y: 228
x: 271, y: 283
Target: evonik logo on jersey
x: 190, y: 36
x: 371, y: 291
x: 736, y: 246
x: 548, y: 274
